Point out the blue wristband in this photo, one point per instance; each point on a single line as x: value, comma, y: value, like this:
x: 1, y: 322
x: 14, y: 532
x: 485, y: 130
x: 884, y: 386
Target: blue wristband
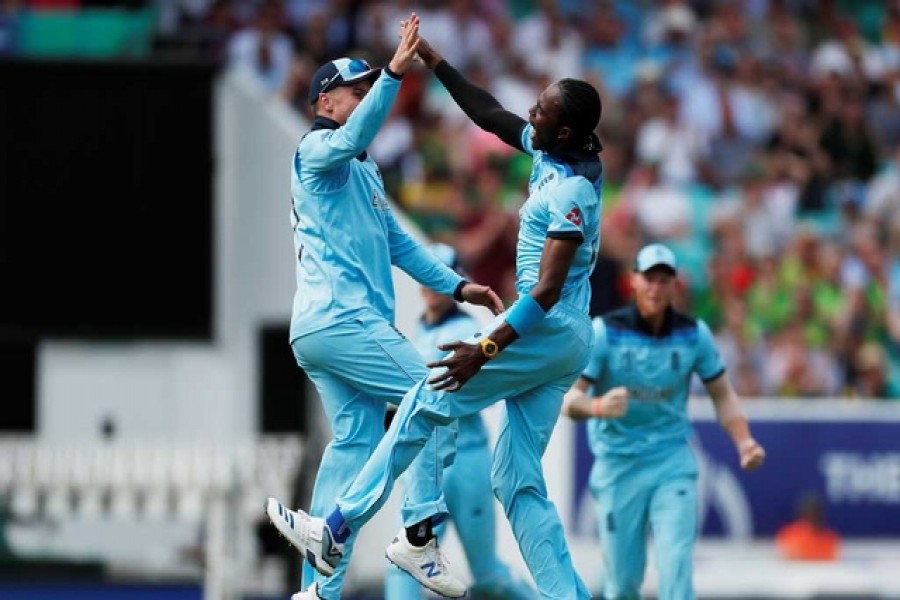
x: 525, y: 314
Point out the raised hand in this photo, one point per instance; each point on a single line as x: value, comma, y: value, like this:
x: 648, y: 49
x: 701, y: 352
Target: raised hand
x: 406, y: 48
x: 429, y: 55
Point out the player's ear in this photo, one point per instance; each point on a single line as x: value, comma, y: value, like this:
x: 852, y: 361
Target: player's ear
x: 564, y: 133
x: 325, y: 102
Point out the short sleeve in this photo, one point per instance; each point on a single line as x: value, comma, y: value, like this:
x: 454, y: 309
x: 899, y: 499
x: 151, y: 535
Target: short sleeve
x: 597, y: 364
x: 525, y: 140
x: 709, y: 364
x: 569, y: 205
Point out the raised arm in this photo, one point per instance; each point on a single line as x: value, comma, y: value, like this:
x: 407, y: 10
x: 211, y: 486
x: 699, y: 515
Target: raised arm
x: 478, y: 104
x: 327, y: 149
x: 330, y: 148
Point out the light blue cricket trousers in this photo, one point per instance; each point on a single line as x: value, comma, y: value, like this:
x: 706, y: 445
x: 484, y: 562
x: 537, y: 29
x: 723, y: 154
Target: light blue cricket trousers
x: 655, y: 492
x: 532, y: 374
x: 467, y: 488
x: 357, y: 367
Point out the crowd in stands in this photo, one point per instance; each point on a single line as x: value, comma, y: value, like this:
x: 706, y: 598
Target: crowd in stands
x: 759, y: 139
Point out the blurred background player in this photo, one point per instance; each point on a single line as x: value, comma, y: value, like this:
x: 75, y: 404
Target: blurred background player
x: 467, y: 481
x: 528, y: 357
x: 342, y: 334
x: 645, y: 472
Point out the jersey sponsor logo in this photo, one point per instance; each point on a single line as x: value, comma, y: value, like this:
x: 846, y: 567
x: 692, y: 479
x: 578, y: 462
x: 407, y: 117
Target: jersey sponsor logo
x: 379, y: 202
x: 574, y: 216
x: 650, y: 394
x: 547, y: 179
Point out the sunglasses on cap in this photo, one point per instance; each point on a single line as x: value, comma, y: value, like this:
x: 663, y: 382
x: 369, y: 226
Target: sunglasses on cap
x: 354, y: 68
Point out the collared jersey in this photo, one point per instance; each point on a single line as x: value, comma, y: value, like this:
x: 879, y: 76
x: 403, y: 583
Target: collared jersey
x: 345, y: 234
x: 563, y: 202
x: 456, y: 325
x: 656, y: 370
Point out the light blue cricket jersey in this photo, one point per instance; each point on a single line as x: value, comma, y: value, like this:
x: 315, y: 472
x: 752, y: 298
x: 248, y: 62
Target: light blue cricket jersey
x: 456, y: 325
x: 656, y: 370
x: 345, y: 234
x: 563, y: 202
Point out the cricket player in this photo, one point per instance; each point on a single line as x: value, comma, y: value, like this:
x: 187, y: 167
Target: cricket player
x: 529, y: 356
x: 644, y: 476
x: 346, y: 238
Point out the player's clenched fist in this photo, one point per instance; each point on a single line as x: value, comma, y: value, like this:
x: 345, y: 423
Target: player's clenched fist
x: 752, y: 454
x: 613, y: 404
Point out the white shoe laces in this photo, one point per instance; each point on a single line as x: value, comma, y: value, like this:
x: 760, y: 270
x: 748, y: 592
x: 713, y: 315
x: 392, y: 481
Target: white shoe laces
x: 433, y: 552
x: 304, y: 527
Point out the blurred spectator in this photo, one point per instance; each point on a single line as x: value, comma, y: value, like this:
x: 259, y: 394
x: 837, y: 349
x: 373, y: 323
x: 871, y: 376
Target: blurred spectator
x: 800, y: 371
x: 263, y: 48
x: 662, y: 208
x: 844, y: 54
x: 807, y: 537
x: 734, y: 116
x: 486, y: 238
x: 743, y: 350
x: 549, y: 46
x: 462, y: 34
x: 760, y: 139
x: 848, y: 142
x: 680, y: 151
x: 609, y: 58
x: 10, y: 23
x: 610, y: 280
x: 883, y: 203
x: 871, y: 377
x: 764, y: 209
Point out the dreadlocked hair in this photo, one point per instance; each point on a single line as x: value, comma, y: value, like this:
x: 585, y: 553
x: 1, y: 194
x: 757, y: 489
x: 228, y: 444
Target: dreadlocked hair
x: 581, y: 110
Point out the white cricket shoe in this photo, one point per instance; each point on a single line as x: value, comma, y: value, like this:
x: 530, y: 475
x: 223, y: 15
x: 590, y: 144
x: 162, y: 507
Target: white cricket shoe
x: 310, y: 535
x: 427, y: 565
x: 311, y: 593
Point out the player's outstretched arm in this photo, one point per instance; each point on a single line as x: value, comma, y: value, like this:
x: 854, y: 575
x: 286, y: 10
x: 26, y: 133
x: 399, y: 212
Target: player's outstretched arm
x: 482, y: 295
x: 478, y: 104
x: 333, y: 148
x: 732, y: 419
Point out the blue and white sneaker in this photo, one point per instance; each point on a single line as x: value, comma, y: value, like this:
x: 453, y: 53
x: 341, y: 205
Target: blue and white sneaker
x: 310, y: 535
x: 427, y: 565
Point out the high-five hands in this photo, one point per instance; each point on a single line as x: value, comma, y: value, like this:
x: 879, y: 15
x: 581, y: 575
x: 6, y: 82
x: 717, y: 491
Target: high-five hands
x: 406, y: 48
x: 427, y: 54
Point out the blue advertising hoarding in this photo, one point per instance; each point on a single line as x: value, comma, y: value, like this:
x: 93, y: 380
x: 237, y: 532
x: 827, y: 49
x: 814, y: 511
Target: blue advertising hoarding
x: 846, y: 453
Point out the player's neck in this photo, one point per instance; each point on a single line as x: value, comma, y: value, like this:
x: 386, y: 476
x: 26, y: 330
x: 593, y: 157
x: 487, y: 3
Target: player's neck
x: 655, y: 321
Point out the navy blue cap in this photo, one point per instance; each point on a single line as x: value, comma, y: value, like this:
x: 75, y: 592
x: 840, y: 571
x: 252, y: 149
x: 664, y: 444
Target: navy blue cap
x: 338, y: 72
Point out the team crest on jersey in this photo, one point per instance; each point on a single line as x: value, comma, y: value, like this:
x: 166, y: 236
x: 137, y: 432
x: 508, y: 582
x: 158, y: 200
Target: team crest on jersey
x: 574, y: 216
